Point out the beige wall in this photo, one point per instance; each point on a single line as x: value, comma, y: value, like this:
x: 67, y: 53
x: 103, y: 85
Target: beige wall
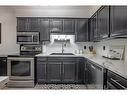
x: 94, y: 9
x: 81, y: 11
x: 8, y: 44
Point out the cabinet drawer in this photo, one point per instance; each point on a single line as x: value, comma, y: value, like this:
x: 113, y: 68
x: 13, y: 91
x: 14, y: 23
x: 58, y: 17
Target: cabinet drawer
x: 41, y: 59
x: 54, y: 58
x: 69, y: 59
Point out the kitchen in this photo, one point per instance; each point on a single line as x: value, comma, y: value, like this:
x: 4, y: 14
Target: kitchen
x: 63, y: 47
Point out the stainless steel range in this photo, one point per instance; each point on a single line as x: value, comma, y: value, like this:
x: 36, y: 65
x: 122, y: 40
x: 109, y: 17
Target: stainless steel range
x: 20, y: 67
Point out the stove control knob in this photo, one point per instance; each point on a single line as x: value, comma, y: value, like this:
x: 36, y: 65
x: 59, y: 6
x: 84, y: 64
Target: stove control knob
x: 23, y: 48
x: 38, y: 48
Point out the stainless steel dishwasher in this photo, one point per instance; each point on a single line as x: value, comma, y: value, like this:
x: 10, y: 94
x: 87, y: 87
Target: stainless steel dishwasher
x: 94, y: 76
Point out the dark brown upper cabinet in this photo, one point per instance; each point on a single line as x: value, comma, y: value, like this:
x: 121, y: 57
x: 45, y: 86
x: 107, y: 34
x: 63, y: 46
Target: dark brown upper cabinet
x: 99, y: 24
x: 90, y: 30
x: 103, y: 22
x: 94, y: 27
x: 27, y: 24
x: 118, y: 20
x: 22, y: 24
x: 81, y: 30
x: 44, y: 29
x: 56, y: 25
x: 69, y: 26
x: 62, y: 25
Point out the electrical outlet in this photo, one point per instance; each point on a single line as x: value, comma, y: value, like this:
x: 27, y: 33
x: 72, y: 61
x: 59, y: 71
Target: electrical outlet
x: 84, y: 47
x: 103, y: 47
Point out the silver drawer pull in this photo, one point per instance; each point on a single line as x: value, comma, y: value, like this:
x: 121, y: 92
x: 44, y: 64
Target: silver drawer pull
x: 118, y: 83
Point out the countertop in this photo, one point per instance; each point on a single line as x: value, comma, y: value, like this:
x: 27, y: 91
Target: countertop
x: 3, y: 81
x: 117, y: 66
x: 3, y: 55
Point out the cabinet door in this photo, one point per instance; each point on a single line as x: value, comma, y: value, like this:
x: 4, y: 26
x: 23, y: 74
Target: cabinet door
x: 54, y: 72
x: 95, y: 29
x: 80, y: 66
x: 56, y: 25
x: 81, y: 33
x: 22, y: 24
x: 118, y: 20
x: 44, y: 30
x: 68, y: 26
x: 88, y: 74
x: 90, y: 30
x: 33, y: 24
x: 41, y: 72
x: 103, y: 22
x: 69, y: 72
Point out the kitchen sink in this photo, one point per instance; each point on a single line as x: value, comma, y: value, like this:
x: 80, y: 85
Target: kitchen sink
x: 61, y: 54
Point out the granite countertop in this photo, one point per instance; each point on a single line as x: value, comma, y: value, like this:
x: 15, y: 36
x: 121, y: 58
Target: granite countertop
x: 3, y: 81
x: 3, y: 55
x: 117, y: 66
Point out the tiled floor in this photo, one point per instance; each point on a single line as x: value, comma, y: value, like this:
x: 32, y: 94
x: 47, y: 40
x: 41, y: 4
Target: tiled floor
x: 60, y: 86
x: 53, y: 87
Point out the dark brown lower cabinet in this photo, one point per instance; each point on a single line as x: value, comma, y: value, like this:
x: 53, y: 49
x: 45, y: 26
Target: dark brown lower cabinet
x: 59, y: 70
x: 69, y: 72
x: 54, y: 72
x: 41, y: 72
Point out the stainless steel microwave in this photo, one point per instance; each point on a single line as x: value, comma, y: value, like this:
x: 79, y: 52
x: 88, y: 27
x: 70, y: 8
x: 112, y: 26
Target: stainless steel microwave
x: 28, y: 38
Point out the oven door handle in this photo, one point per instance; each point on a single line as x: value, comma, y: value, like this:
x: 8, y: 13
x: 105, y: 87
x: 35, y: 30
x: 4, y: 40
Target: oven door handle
x: 115, y: 81
x: 32, y: 38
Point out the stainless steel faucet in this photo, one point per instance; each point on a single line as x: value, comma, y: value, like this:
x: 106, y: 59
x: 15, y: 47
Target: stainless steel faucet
x: 63, y: 45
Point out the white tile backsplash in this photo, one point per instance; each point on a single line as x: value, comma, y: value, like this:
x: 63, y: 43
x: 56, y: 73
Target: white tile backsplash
x: 56, y: 47
x: 107, y: 43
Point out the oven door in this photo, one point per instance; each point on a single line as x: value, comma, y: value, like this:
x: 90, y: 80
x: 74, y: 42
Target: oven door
x: 21, y: 68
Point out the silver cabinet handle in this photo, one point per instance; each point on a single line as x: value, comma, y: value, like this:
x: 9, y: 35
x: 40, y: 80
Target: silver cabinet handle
x: 118, y: 83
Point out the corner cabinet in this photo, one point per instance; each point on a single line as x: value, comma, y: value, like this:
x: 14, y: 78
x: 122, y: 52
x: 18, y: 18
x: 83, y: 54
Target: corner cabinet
x: 99, y: 24
x: 90, y: 30
x: 118, y: 20
x: 81, y: 30
x: 93, y: 29
x: 103, y: 22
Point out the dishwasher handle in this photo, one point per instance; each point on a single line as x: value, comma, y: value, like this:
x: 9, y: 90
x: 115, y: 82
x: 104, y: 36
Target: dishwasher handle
x: 93, y: 67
